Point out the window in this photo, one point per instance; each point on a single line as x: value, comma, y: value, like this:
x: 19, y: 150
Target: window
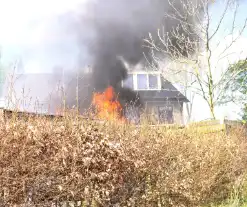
x: 142, y: 81
x: 153, y: 81
x: 166, y: 114
x: 129, y: 82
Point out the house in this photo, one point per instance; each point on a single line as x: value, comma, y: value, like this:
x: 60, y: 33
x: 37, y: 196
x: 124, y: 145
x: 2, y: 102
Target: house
x: 28, y: 92
x: 38, y: 93
x: 163, y: 103
x: 46, y: 93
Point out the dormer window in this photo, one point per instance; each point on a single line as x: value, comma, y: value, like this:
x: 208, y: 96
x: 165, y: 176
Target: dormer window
x: 143, y: 81
x: 153, y: 81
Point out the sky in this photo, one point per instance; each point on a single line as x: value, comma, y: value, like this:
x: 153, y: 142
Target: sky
x: 237, y: 51
x: 31, y: 31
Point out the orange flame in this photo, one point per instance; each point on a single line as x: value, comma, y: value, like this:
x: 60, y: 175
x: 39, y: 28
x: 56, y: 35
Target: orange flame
x: 107, y: 106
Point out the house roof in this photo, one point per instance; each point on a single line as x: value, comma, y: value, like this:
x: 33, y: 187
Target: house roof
x: 162, y: 95
x: 41, y: 92
x: 168, y: 92
x: 29, y: 92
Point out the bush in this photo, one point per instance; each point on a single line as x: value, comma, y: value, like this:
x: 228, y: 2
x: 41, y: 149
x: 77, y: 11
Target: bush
x: 186, y: 168
x: 44, y: 160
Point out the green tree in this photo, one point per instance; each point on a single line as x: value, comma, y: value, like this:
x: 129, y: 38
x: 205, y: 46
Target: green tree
x: 236, y: 86
x: 244, y: 115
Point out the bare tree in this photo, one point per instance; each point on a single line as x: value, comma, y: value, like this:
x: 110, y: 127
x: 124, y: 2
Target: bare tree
x: 193, y: 54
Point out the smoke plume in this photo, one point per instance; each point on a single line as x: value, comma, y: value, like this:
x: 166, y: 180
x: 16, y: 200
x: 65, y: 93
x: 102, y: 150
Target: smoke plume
x: 114, y: 30
x: 110, y: 33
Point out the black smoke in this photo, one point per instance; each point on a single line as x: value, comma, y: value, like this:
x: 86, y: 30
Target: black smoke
x: 114, y: 30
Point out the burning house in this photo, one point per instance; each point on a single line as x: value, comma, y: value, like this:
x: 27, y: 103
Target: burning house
x: 141, y: 93
x: 110, y: 34
x: 162, y: 102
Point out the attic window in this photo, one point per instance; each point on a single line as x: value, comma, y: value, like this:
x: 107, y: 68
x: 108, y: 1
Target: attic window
x: 142, y: 82
x: 153, y: 81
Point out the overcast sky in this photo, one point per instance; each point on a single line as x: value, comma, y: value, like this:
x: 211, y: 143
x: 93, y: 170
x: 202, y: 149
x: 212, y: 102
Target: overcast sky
x: 31, y: 30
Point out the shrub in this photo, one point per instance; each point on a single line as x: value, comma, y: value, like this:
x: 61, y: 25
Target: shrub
x: 46, y: 160
x: 75, y: 159
x: 186, y: 168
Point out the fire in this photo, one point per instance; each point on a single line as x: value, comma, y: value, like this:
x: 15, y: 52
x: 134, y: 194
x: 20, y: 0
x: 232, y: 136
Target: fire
x: 107, y: 106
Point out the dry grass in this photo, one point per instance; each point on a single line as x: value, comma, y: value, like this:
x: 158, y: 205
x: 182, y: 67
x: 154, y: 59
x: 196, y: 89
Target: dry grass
x: 44, y: 161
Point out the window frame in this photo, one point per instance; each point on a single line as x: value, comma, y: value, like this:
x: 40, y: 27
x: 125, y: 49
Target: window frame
x: 158, y: 81
x: 167, y: 107
x: 147, y: 82
x: 135, y: 82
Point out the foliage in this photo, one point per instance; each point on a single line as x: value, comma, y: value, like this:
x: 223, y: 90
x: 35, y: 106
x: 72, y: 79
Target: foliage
x: 244, y: 116
x: 44, y: 161
x: 236, y: 85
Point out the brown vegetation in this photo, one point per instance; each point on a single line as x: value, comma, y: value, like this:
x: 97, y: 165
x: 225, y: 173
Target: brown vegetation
x: 43, y: 160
